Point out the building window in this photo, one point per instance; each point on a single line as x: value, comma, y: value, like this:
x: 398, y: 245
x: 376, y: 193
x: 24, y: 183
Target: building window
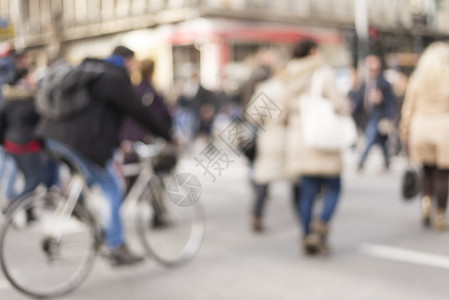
x: 139, y: 7
x: 81, y: 11
x: 186, y: 60
x: 123, y: 8
x: 34, y: 13
x: 156, y: 5
x: 45, y: 13
x: 107, y: 9
x: 94, y: 10
x: 4, y: 8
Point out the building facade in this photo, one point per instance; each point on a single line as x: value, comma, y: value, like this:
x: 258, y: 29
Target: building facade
x: 213, y: 33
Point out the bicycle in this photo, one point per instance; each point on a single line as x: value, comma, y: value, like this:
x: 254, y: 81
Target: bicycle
x: 64, y: 236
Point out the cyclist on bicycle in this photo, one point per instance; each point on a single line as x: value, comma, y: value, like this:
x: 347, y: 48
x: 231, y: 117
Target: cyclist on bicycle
x: 90, y: 138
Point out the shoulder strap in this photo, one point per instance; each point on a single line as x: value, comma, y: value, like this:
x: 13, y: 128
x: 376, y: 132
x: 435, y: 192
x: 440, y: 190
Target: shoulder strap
x: 317, y: 85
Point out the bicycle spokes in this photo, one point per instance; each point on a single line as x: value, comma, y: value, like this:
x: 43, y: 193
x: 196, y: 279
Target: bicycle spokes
x: 51, y: 254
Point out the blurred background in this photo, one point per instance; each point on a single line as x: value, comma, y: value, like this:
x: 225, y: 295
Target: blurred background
x: 219, y: 36
x: 380, y: 248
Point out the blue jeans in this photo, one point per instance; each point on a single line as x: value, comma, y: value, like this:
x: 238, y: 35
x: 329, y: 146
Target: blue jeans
x: 109, y: 182
x: 32, y: 167
x: 8, y: 167
x: 36, y: 169
x: 310, y: 188
x: 373, y: 137
x: 261, y: 194
x: 185, y: 121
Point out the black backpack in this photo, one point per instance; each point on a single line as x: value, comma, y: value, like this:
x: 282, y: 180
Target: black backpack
x: 63, y: 92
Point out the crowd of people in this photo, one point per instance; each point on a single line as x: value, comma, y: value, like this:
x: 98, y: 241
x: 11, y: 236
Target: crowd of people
x: 120, y: 113
x: 400, y: 118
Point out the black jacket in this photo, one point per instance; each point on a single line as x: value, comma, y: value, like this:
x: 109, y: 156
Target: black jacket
x: 152, y: 101
x: 94, y: 133
x: 385, y: 109
x: 18, y: 118
x: 203, y: 96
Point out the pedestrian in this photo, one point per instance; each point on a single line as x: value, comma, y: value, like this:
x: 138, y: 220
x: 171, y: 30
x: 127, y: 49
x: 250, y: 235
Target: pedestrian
x: 90, y: 137
x: 18, y: 119
x: 399, y: 88
x: 8, y: 61
x: 352, y: 95
x: 200, y: 106
x: 425, y: 130
x: 132, y: 132
x: 318, y: 171
x: 7, y: 65
x: 151, y: 99
x: 374, y: 105
x: 265, y: 64
x: 262, y: 72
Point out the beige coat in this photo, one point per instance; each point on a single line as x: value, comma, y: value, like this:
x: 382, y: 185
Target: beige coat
x: 425, y: 122
x: 282, y: 153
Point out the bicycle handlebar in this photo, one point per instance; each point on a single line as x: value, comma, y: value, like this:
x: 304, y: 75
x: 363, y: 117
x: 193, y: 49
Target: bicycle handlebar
x: 149, y: 150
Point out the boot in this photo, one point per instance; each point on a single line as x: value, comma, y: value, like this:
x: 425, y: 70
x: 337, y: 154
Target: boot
x: 322, y: 229
x: 311, y: 244
x: 426, y: 209
x: 257, y: 224
x: 440, y: 222
x: 121, y: 256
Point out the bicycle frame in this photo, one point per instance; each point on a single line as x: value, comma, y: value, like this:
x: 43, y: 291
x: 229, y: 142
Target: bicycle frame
x: 138, y: 188
x: 76, y: 187
x: 144, y: 179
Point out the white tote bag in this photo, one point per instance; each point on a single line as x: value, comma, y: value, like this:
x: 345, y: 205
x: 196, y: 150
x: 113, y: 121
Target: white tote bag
x: 322, y: 127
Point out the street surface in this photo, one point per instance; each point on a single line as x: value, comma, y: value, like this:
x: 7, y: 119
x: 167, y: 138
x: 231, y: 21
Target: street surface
x: 380, y: 250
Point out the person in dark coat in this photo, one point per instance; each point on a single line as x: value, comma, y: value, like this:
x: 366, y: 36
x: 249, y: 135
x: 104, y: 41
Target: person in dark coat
x: 262, y: 71
x: 18, y: 119
x: 91, y: 137
x: 134, y: 132
x: 151, y: 99
x: 373, y: 103
x: 200, y: 104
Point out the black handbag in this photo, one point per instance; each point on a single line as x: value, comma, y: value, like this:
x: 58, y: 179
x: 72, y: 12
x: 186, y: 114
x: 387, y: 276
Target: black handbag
x: 247, y: 141
x: 249, y: 149
x: 166, y: 160
x: 410, y: 183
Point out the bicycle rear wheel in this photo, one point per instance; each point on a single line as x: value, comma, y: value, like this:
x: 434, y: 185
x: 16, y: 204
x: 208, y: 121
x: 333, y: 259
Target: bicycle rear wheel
x: 171, y: 234
x: 44, y: 253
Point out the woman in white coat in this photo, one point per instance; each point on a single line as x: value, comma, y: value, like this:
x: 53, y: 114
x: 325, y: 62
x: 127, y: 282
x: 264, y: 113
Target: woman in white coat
x: 282, y: 152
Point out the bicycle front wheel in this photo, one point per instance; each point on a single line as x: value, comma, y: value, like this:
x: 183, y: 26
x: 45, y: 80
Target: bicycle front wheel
x: 44, y: 253
x: 171, y: 234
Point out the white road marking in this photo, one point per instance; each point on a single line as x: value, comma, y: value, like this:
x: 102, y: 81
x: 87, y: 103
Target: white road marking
x: 405, y: 255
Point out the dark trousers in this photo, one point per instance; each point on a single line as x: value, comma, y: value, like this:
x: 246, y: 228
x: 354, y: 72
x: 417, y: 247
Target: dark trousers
x: 310, y: 189
x: 435, y: 183
x: 36, y: 169
x: 261, y: 195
